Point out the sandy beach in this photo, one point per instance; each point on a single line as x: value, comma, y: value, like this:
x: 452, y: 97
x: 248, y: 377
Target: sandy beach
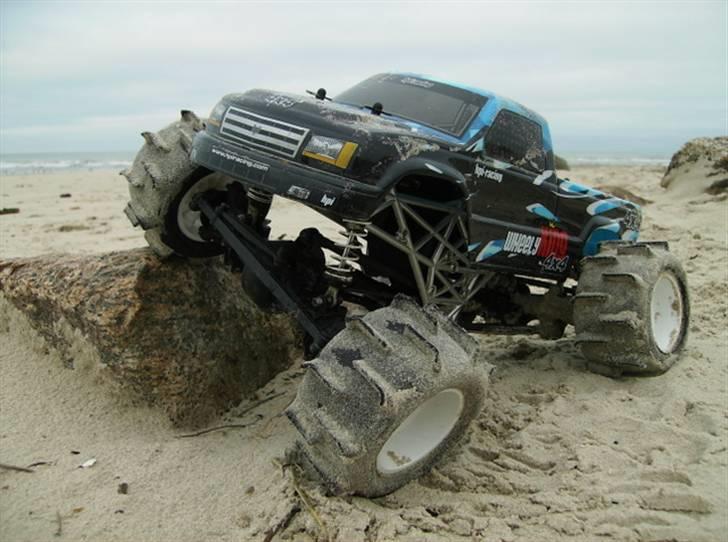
x: 558, y: 453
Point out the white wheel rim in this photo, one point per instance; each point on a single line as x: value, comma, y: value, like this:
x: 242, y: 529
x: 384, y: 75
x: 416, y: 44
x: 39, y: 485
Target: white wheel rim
x: 188, y: 220
x: 421, y: 432
x: 667, y: 312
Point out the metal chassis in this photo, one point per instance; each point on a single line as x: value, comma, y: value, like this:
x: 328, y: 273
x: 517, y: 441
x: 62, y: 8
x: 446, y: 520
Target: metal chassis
x: 447, y: 278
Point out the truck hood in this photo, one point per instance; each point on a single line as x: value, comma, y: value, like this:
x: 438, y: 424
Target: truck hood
x: 333, y: 118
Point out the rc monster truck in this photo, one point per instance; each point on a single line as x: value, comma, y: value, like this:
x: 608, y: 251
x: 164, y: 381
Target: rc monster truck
x: 453, y: 220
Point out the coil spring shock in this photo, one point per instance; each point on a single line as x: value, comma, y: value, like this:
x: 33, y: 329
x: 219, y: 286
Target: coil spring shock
x: 259, y: 202
x: 261, y: 196
x: 351, y: 250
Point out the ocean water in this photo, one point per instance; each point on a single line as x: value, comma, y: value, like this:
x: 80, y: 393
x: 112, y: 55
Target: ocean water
x: 18, y: 164
x: 615, y: 158
x: 617, y: 161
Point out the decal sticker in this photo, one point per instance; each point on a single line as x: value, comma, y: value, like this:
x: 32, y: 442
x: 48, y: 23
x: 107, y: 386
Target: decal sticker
x: 407, y: 147
x: 280, y: 101
x: 348, y: 189
x: 551, y: 242
x: 554, y: 264
x: 602, y: 206
x: 608, y: 232
x: 327, y: 201
x: 554, y: 243
x: 491, y: 249
x: 482, y: 172
x: 241, y: 159
x: 521, y: 243
x: 541, y: 178
x: 542, y: 211
x: 433, y: 168
x: 497, y: 164
x: 298, y: 192
x: 417, y: 82
x: 577, y: 190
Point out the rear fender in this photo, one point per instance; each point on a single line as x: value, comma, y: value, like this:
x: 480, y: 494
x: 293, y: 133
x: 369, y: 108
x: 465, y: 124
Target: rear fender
x: 623, y: 223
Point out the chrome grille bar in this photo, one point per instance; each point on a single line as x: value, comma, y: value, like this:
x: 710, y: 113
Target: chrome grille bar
x: 261, y: 132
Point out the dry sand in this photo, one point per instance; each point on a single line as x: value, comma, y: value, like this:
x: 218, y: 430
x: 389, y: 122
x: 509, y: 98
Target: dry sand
x: 557, y: 454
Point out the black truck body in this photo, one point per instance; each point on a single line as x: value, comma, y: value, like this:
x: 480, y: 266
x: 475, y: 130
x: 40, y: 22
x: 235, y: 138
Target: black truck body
x: 520, y: 216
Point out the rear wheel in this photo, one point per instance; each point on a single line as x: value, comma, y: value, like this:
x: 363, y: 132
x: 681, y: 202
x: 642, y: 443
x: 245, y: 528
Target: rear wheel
x: 631, y: 309
x: 163, y: 182
x: 386, y: 398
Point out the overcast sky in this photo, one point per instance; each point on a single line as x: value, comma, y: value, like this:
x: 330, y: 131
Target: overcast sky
x: 634, y: 77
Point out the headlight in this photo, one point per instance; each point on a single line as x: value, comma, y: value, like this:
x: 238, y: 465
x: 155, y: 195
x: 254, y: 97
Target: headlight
x: 330, y: 150
x: 217, y: 113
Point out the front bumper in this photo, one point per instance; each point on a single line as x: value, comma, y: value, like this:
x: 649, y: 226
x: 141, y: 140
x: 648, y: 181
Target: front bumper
x: 332, y: 194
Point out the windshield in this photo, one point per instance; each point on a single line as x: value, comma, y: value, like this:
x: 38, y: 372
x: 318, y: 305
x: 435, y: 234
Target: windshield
x: 439, y: 106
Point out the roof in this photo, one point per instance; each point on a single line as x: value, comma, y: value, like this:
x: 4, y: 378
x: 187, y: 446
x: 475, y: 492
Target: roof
x: 494, y: 104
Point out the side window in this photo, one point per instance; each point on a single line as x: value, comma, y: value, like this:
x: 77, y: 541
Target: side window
x: 516, y: 140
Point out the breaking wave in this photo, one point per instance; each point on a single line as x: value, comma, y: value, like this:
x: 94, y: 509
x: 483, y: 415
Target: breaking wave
x: 23, y: 164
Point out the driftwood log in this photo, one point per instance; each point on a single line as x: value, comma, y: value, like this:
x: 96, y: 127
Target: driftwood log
x: 180, y: 334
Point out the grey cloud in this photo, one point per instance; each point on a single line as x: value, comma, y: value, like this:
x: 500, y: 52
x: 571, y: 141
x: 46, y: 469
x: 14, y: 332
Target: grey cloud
x: 614, y: 68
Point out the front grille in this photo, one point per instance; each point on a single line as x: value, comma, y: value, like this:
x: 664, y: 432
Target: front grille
x: 262, y: 132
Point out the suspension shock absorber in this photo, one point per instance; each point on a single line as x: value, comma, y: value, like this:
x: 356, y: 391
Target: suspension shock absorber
x: 351, y: 250
x: 259, y: 202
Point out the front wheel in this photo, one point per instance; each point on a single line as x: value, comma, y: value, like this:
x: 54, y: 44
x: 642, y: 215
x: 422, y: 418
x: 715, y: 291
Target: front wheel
x: 163, y: 182
x: 632, y: 309
x: 386, y: 398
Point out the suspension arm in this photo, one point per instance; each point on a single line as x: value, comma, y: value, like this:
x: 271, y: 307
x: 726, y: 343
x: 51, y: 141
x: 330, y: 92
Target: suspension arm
x: 244, y: 242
